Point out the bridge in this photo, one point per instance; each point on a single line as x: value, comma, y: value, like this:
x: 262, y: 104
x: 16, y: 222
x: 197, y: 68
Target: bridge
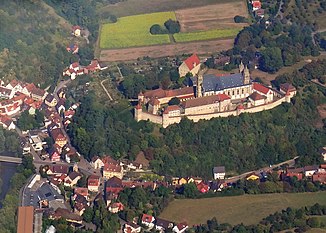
x: 9, y: 159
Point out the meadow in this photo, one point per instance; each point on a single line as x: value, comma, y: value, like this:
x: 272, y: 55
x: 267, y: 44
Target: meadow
x: 133, y: 31
x: 247, y: 209
x: 206, y: 35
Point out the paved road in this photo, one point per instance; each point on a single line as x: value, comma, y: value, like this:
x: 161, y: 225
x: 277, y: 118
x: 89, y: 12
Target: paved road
x: 106, y: 91
x: 232, y: 179
x: 10, y: 159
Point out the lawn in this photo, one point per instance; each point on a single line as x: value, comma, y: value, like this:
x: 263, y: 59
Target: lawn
x: 132, y: 31
x: 206, y: 35
x: 248, y: 209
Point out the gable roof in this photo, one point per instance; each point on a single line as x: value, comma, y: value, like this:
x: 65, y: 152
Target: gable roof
x: 261, y: 88
x: 163, y: 223
x: 147, y: 218
x: 219, y: 169
x: 114, y: 182
x: 160, y: 93
x: 192, y: 61
x: 73, y: 175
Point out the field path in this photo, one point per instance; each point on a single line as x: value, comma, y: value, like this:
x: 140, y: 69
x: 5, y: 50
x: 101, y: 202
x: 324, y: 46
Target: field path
x: 106, y: 91
x: 200, y: 47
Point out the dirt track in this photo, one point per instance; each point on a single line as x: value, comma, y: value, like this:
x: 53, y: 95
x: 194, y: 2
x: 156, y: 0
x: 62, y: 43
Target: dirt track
x: 201, y: 47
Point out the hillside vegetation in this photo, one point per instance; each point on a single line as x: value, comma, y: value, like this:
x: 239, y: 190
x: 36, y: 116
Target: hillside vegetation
x: 32, y: 42
x: 240, y: 143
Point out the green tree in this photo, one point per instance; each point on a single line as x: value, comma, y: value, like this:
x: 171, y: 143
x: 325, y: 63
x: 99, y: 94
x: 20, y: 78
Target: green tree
x: 174, y: 101
x: 271, y: 60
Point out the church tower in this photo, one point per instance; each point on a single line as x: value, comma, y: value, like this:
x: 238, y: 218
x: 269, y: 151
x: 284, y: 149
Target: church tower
x: 200, y: 79
x: 246, y: 76
x: 199, y: 92
x: 241, y: 67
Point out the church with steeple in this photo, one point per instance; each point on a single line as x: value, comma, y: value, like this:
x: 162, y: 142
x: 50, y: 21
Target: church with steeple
x: 236, y: 86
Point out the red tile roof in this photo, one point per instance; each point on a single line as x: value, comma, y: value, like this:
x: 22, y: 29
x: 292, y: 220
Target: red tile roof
x: 171, y: 108
x: 261, y: 88
x: 147, y: 218
x: 192, y: 61
x: 256, y: 4
x: 205, y: 100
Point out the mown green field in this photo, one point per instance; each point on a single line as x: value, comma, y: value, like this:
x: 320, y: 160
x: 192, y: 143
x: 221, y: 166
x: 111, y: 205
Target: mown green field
x: 132, y: 31
x: 206, y: 35
x: 247, y: 209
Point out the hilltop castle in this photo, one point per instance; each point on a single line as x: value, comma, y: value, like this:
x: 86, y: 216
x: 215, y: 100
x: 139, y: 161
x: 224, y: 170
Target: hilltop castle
x: 211, y: 96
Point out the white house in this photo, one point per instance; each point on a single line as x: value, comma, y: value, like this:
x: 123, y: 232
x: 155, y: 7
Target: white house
x: 310, y: 170
x: 219, y: 172
x: 97, y: 163
x: 130, y: 227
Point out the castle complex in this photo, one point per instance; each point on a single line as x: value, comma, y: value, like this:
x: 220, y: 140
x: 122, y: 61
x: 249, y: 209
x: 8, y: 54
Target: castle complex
x: 211, y: 96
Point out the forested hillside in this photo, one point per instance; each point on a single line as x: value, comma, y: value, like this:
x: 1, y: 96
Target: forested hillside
x: 32, y: 42
x: 240, y: 143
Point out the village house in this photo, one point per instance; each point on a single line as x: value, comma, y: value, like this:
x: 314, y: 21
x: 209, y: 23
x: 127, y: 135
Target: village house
x: 58, y: 137
x: 310, y: 170
x: 115, y: 207
x: 130, y: 227
x: 180, y: 228
x: 7, y: 123
x: 256, y: 5
x: 190, y: 65
x: 219, y: 172
x: 50, y: 100
x: 112, y: 168
x: 61, y: 105
x: 294, y: 172
x: 319, y: 177
x: 202, y: 187
x: 57, y: 170
x: 67, y: 215
x: 162, y: 225
x: 96, y: 162
x: 55, y: 153
x: 72, y: 179
x: 76, y: 30
x: 148, y: 221
x: 288, y: 89
x: 80, y: 204
x: 81, y: 191
x: 113, y: 187
x: 93, y: 183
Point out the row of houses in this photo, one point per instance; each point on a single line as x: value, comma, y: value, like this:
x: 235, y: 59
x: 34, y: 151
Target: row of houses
x: 75, y: 69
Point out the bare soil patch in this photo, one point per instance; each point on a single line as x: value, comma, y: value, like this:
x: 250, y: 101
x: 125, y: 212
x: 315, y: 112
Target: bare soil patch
x: 217, y: 16
x: 202, y: 47
x: 322, y: 111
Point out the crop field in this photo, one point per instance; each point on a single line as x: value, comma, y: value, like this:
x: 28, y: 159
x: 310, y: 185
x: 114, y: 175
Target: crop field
x: 206, y: 35
x: 247, y: 209
x: 217, y: 16
x: 132, y: 31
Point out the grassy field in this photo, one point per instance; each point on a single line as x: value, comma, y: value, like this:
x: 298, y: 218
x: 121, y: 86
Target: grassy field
x: 133, y: 31
x: 248, y: 209
x: 206, y: 35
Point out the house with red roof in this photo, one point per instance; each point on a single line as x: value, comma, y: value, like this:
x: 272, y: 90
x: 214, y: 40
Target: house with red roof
x: 6, y: 92
x: 58, y: 137
x: 148, y: 221
x: 81, y: 191
x: 256, y: 5
x: 130, y: 227
x: 263, y: 90
x: 180, y: 228
x: 55, y: 153
x: 7, y: 123
x: 319, y: 177
x: 116, y: 207
x: 93, y: 182
x: 202, y: 187
x: 190, y: 65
